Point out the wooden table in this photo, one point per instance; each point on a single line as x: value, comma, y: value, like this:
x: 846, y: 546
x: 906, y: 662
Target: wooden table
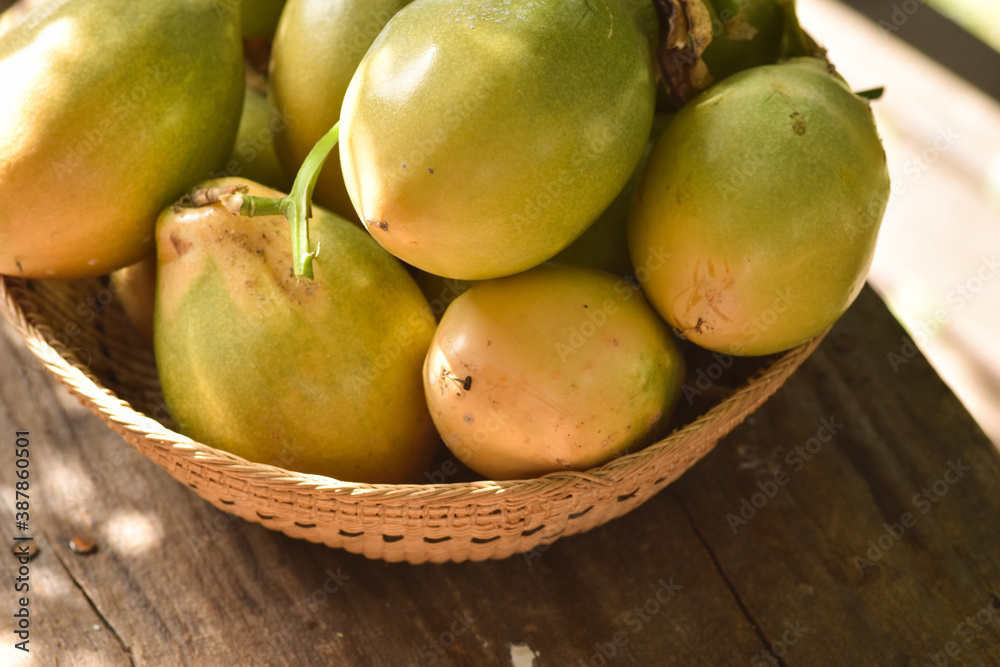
x: 850, y: 521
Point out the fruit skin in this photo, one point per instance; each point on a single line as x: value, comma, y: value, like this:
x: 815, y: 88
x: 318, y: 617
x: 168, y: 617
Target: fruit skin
x: 259, y: 18
x: 440, y: 292
x: 111, y: 109
x: 604, y: 245
x: 759, y: 211
x: 253, y: 156
x: 317, y: 47
x: 318, y: 376
x: 135, y: 287
x: 480, y: 139
x: 745, y: 33
x: 556, y: 368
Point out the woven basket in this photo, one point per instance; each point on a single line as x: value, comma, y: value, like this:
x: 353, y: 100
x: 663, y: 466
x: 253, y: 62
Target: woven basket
x: 79, y: 332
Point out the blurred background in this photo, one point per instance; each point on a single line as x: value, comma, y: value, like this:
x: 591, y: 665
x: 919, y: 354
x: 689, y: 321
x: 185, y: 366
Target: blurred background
x: 939, y: 247
x: 980, y: 17
x: 937, y: 259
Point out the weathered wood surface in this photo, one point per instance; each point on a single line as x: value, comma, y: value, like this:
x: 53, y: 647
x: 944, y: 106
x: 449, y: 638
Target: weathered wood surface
x: 843, y: 449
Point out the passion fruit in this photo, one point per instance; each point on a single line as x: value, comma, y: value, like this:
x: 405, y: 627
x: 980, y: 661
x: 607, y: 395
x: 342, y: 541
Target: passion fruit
x: 321, y: 376
x: 480, y: 139
x: 764, y: 195
x: 556, y: 368
x: 100, y: 127
x: 317, y: 48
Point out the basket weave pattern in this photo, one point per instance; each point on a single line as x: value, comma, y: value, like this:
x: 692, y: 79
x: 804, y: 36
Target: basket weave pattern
x: 80, y: 334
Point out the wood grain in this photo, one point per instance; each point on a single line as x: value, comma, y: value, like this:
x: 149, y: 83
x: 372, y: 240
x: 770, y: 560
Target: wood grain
x: 798, y: 559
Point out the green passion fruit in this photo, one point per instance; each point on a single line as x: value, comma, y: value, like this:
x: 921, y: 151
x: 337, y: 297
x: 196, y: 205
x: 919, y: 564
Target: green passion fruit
x: 759, y: 210
x: 135, y: 287
x: 317, y: 48
x: 320, y: 376
x: 253, y: 156
x: 745, y: 33
x: 480, y: 139
x: 604, y: 245
x: 556, y: 368
x: 259, y: 18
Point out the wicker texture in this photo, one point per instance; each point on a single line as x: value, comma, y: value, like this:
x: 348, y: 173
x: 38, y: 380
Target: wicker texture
x: 80, y: 334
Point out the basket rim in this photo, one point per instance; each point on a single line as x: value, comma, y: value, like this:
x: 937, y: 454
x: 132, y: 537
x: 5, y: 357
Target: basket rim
x: 21, y: 312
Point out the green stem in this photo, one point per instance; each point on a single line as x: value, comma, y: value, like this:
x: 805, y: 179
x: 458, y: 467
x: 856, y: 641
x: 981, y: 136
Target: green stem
x: 253, y: 205
x: 297, y: 205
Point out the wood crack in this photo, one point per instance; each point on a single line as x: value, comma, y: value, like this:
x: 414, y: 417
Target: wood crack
x: 732, y: 589
x: 126, y: 649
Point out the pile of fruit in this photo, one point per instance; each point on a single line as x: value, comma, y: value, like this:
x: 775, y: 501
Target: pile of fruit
x: 501, y: 215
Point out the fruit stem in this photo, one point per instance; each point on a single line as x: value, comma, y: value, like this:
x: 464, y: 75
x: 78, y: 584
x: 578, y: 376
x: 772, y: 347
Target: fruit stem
x: 252, y: 205
x: 297, y: 206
